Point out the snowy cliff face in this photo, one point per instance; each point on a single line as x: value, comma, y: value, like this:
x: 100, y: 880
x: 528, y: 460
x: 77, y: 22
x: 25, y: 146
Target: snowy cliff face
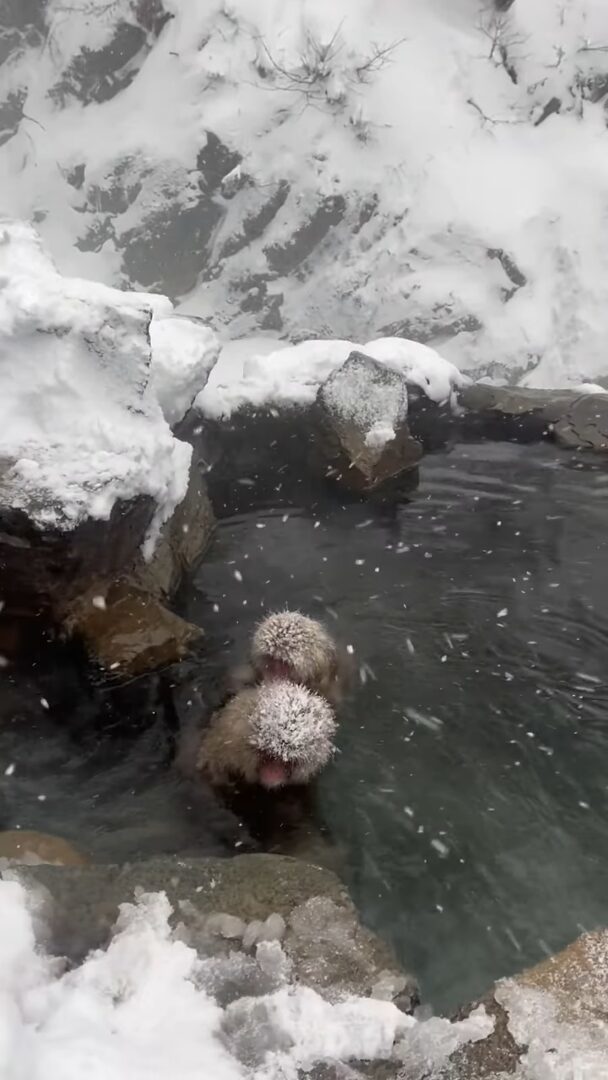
x: 435, y: 169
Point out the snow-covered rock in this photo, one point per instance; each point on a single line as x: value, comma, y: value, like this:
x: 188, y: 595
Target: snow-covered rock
x: 184, y: 353
x: 81, y: 427
x: 166, y: 1001
x: 292, y: 375
x: 550, y: 1020
x: 363, y: 408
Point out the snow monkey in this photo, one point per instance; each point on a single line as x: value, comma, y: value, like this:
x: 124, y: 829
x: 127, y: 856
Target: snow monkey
x: 260, y: 753
x: 275, y: 735
x: 287, y: 645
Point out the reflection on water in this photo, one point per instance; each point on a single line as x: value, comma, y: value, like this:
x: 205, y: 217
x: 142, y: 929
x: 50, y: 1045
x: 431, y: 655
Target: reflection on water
x: 470, y: 790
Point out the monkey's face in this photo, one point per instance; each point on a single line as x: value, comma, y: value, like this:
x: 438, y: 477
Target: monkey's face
x: 289, y: 645
x: 291, y: 732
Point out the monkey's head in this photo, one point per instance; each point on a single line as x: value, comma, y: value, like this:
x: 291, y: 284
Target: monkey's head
x: 289, y: 645
x: 291, y: 732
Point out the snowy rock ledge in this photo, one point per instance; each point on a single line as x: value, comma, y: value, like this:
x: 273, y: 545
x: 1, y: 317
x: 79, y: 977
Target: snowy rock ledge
x: 85, y: 399
x: 92, y: 381
x: 550, y: 1021
x: 255, y: 966
x: 352, y: 403
x: 292, y: 375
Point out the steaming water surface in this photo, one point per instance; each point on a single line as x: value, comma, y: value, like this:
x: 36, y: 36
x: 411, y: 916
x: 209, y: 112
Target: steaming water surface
x: 469, y: 796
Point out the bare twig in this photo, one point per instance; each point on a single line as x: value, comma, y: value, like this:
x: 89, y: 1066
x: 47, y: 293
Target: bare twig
x: 492, y: 119
x: 314, y: 74
x: 379, y: 57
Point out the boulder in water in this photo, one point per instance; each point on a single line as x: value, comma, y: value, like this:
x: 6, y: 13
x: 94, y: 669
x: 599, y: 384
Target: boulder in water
x: 128, y: 631
x: 91, y: 470
x: 363, y: 413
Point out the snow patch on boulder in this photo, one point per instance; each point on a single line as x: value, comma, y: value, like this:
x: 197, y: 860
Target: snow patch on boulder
x: 81, y: 426
x: 292, y: 375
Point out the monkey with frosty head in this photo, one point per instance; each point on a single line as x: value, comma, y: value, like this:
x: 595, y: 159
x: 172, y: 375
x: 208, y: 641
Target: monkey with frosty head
x: 261, y: 753
x: 287, y: 645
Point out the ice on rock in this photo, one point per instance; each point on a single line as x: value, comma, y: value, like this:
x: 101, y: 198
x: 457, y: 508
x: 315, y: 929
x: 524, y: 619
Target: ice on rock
x: 226, y: 926
x: 388, y: 986
x: 149, y: 1005
x: 236, y: 975
x: 273, y: 929
x: 251, y: 934
x: 80, y: 423
x: 426, y: 1046
x: 272, y: 960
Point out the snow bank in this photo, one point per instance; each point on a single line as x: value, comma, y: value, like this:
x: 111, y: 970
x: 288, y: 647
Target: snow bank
x: 292, y: 375
x: 80, y: 422
x: 139, y: 1010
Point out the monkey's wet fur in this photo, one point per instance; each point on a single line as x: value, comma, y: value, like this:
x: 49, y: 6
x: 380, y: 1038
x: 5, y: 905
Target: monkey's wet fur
x: 276, y: 734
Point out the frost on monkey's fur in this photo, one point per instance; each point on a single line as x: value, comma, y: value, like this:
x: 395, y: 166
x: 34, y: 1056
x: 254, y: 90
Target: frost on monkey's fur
x: 294, y: 725
x: 295, y: 639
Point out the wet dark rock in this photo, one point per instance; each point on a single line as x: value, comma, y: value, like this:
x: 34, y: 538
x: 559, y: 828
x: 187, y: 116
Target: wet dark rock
x: 11, y: 113
x: 122, y: 619
x: 272, y: 320
x: 358, y: 406
x: 575, y: 421
x: 22, y: 26
x: 596, y: 87
x: 99, y: 74
x: 323, y: 940
x: 182, y: 542
x: 75, y: 177
x: 96, y: 235
x: 215, y: 161
x: 431, y: 327
x: 366, y: 212
x: 120, y: 190
x: 552, y: 108
x: 509, y: 266
x: 262, y: 207
x: 21, y: 14
x: 584, y: 425
x: 42, y: 569
x: 128, y: 631
x: 151, y: 15
x: 284, y: 258
x: 497, y: 1055
x: 168, y: 249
